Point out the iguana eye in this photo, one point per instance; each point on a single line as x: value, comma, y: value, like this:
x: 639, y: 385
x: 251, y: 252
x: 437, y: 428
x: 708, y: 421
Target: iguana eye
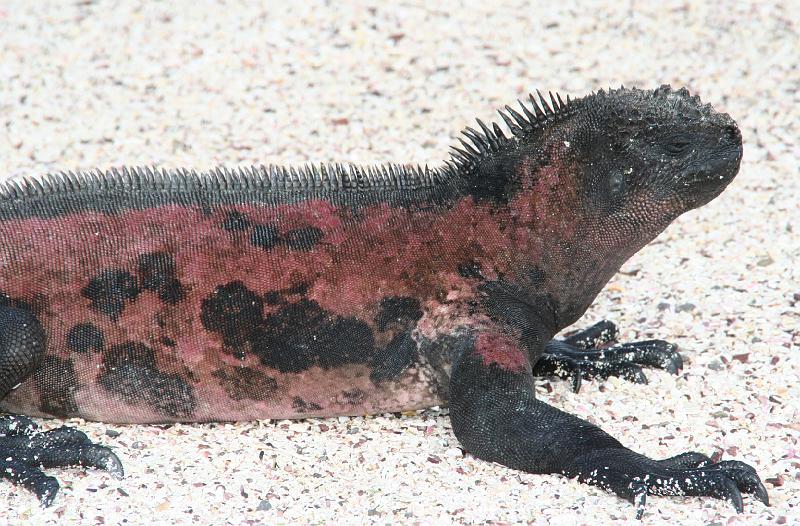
x: 616, y: 184
x: 677, y: 147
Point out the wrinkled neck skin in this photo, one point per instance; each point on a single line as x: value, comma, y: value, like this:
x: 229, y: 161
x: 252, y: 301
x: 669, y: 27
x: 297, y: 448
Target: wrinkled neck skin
x: 564, y: 252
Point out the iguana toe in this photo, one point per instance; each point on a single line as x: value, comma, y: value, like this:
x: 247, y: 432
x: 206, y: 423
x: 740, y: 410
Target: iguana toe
x: 594, y: 353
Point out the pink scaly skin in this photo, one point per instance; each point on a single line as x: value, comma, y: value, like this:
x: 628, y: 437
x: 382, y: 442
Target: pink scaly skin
x: 134, y: 297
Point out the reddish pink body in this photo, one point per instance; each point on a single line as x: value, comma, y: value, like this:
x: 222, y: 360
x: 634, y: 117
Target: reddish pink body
x: 382, y: 252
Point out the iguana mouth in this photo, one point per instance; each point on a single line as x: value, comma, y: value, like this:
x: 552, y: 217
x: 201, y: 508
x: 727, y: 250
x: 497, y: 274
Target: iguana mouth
x: 717, y: 171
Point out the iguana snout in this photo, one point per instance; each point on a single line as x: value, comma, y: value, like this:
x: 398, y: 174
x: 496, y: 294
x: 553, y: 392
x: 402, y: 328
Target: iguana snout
x: 708, y: 176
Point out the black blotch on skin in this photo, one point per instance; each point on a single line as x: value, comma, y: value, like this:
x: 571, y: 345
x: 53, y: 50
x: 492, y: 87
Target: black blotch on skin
x: 169, y: 342
x: 167, y: 394
x: 273, y: 297
x: 397, y: 311
x: 129, y: 371
x: 85, y: 337
x: 497, y: 181
x: 157, y: 273
x: 56, y: 380
x: 352, y: 396
x: 302, y: 238
x: 22, y: 304
x: 302, y: 334
x: 298, y: 288
x: 234, y: 312
x: 265, y: 236
x: 301, y: 406
x: 8, y: 301
x: 288, y: 352
x: 246, y: 383
x: 395, y: 358
x: 235, y: 221
x: 109, y: 291
x: 130, y: 353
x: 470, y: 269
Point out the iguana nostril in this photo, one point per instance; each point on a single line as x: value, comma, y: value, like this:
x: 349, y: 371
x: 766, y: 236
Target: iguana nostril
x: 733, y: 132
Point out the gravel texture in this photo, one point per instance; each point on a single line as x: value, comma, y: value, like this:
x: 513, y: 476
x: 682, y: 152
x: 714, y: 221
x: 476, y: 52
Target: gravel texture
x: 89, y: 83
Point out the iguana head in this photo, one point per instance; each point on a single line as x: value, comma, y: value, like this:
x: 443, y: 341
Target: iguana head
x: 637, y: 160
x: 623, y: 163
x: 618, y: 150
x: 595, y: 179
x: 662, y: 150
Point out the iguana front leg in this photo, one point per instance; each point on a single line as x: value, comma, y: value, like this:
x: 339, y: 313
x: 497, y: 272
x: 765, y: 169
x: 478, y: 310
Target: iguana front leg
x: 496, y: 417
x: 24, y: 450
x: 595, y: 352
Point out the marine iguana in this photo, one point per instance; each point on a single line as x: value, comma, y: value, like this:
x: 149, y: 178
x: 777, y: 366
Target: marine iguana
x: 147, y: 295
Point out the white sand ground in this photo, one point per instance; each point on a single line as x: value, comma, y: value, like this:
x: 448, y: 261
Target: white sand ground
x: 91, y: 83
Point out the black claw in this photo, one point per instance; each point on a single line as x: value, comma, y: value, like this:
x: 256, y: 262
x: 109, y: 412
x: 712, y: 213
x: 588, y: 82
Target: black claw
x: 577, y: 374
x: 674, y: 363
x: 110, y: 463
x: 745, y: 477
x: 30, y: 478
x: 728, y: 490
x: 639, y: 498
x: 760, y: 492
x: 664, y: 353
x: 47, y: 491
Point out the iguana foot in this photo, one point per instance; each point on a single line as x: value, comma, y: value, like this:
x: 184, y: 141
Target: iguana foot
x: 634, y: 476
x: 25, y: 451
x: 594, y: 352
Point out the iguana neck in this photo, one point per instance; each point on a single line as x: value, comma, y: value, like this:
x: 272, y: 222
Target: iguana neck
x: 563, y: 253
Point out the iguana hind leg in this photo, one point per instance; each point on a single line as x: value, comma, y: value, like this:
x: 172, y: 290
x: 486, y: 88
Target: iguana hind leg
x: 496, y: 417
x: 595, y: 353
x: 24, y: 450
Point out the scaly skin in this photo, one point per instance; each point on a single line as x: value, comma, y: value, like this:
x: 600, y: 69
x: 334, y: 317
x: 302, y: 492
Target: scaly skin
x: 141, y: 297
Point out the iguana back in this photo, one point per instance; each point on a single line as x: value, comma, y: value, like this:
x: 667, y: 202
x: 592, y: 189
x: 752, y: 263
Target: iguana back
x: 261, y: 293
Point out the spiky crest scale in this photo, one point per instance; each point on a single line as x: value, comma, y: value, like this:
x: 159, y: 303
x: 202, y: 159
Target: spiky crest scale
x: 334, y: 176
x: 492, y: 139
x: 262, y: 177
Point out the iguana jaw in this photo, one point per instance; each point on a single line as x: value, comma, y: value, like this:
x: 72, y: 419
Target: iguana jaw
x: 717, y: 171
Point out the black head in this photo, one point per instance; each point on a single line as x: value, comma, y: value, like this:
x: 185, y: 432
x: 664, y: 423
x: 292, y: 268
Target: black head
x: 660, y: 148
